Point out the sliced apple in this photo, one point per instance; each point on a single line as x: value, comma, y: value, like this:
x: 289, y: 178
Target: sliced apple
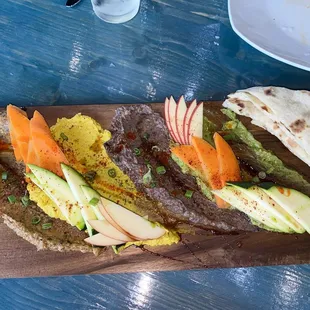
x: 167, y: 102
x: 180, y: 116
x: 196, y: 123
x: 101, y: 240
x: 109, y: 218
x: 172, y: 107
x: 105, y: 228
x: 134, y: 224
x: 187, y: 117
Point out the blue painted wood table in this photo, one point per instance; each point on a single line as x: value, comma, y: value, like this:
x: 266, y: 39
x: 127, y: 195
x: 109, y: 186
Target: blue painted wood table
x: 52, y: 55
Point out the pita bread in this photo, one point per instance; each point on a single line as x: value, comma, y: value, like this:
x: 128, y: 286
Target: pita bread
x: 283, y: 112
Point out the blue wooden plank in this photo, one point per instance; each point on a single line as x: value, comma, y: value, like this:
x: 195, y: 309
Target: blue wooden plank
x: 50, y: 54
x: 242, y: 288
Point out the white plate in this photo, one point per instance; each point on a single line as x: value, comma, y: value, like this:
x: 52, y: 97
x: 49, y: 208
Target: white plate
x: 278, y: 28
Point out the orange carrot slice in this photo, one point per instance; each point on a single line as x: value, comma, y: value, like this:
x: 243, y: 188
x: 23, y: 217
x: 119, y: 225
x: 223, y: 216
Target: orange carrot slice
x: 19, y: 131
x: 44, y: 151
x: 228, y: 164
x: 208, y: 157
x: 188, y: 155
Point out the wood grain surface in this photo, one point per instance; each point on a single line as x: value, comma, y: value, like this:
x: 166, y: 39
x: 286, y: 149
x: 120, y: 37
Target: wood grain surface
x: 194, y: 252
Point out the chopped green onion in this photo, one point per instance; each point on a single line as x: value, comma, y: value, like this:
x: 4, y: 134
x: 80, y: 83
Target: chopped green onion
x: 90, y: 176
x: 189, y: 194
x: 46, y: 226
x: 112, y: 173
x: 137, y: 151
x: 153, y: 184
x: 148, y: 177
x: 256, y: 179
x: 161, y: 170
x: 12, y: 199
x: 25, y: 201
x: 63, y: 137
x: 155, y: 148
x: 94, y: 201
x: 146, y: 136
x: 4, y: 176
x: 262, y: 175
x: 36, y: 220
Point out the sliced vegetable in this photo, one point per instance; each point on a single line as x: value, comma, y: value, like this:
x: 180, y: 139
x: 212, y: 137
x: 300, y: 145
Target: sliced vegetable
x: 19, y: 131
x: 146, y: 136
x: 25, y: 201
x: 294, y: 202
x: 228, y: 164
x: 137, y: 151
x: 91, y: 194
x: 161, y: 170
x: 285, y: 222
x: 46, y: 226
x: 105, y: 228
x: 189, y: 194
x: 112, y: 173
x: 12, y: 199
x: 208, y: 158
x: 4, y: 176
x: 75, y: 181
x: 90, y: 176
x: 132, y: 223
x: 180, y: 113
x: 36, y: 220
x: 235, y: 197
x: 94, y: 201
x: 63, y: 137
x: 188, y: 155
x: 48, y: 154
x: 148, y: 177
x: 101, y: 240
x: 187, y: 117
x: 59, y: 191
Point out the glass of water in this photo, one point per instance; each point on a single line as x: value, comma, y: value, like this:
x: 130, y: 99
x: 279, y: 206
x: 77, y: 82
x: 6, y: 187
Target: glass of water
x: 116, y: 11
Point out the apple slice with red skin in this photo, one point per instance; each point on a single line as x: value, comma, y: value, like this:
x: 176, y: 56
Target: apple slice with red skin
x: 196, y: 123
x: 167, y: 102
x: 179, y: 117
x: 101, y: 240
x: 172, y: 120
x: 105, y: 228
x: 109, y: 218
x: 133, y: 223
x: 187, y: 117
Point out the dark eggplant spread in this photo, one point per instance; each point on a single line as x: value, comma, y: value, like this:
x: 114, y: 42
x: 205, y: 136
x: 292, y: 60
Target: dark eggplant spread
x: 139, y: 145
x: 59, y: 232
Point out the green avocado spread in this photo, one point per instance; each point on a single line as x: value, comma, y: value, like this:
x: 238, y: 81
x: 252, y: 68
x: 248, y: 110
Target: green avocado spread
x: 260, y: 158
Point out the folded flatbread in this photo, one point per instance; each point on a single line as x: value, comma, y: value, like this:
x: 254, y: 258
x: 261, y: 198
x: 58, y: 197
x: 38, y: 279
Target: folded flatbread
x: 285, y: 113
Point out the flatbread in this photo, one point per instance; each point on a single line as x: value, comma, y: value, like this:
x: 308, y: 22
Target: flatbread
x: 283, y: 112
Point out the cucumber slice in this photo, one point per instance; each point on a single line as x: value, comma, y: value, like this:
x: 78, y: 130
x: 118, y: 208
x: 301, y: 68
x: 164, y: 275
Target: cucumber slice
x: 238, y: 199
x: 59, y: 191
x: 286, y: 222
x: 294, y: 202
x: 90, y: 193
x: 34, y: 180
x: 75, y: 180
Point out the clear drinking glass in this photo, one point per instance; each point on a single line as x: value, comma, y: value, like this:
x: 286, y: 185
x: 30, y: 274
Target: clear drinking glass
x: 116, y: 11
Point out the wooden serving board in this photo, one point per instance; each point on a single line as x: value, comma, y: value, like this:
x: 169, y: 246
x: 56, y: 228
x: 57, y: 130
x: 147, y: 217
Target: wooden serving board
x: 20, y: 259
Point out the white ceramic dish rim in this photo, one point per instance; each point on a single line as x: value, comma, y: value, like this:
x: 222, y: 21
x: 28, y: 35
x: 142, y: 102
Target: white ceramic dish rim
x: 260, y: 48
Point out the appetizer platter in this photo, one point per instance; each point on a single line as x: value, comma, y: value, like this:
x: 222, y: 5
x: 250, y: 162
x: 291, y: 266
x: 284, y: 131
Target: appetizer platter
x: 179, y: 185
